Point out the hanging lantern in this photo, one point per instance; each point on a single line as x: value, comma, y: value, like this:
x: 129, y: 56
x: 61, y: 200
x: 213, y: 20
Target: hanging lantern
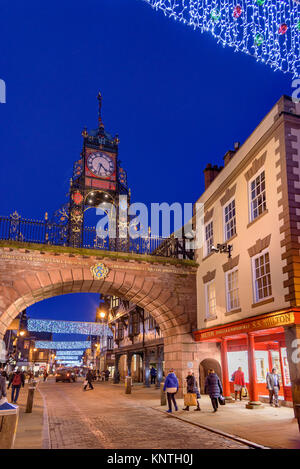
x: 237, y: 11
x: 282, y: 28
x: 259, y: 39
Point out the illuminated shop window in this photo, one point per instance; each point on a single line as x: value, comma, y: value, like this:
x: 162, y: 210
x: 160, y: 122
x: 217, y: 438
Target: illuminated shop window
x: 262, y: 365
x: 261, y: 276
x: 285, y: 366
x: 232, y: 289
x: 209, y: 238
x: 237, y: 359
x: 211, y: 301
x: 229, y: 220
x: 257, y: 196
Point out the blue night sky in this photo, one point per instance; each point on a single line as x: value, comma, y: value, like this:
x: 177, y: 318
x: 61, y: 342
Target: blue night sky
x: 177, y: 99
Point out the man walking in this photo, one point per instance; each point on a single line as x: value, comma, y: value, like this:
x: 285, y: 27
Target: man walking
x: 153, y: 375
x: 17, y: 380
x: 2, y: 384
x: 273, y: 386
x: 89, y: 379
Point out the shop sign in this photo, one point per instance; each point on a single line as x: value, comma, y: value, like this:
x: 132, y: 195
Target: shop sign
x: 268, y: 322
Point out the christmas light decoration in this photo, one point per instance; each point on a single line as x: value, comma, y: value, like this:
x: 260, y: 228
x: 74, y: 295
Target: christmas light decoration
x: 68, y: 327
x: 265, y: 29
x: 66, y: 353
x: 53, y: 345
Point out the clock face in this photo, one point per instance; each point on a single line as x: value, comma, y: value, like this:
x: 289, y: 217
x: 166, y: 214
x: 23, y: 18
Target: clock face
x: 100, y: 164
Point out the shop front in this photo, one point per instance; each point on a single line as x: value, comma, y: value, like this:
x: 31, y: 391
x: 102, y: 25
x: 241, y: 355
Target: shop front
x: 257, y: 345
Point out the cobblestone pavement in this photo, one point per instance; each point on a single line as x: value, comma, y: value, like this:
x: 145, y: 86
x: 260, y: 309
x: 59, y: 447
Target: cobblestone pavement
x: 107, y: 418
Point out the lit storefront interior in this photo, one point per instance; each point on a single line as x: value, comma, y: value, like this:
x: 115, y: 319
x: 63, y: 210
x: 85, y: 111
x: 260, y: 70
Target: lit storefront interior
x: 256, y: 344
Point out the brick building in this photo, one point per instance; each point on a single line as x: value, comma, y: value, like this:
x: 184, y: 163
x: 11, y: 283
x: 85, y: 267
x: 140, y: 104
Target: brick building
x: 249, y: 303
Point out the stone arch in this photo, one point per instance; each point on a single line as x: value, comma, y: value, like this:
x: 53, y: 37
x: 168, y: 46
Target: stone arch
x: 204, y: 366
x: 166, y: 291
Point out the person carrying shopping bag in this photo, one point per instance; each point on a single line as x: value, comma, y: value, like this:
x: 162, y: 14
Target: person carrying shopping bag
x: 238, y: 378
x: 213, y: 387
x: 193, y: 394
x: 171, y: 387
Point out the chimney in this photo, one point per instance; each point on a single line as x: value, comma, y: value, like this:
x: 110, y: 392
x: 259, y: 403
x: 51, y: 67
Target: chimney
x: 210, y: 173
x: 228, y: 156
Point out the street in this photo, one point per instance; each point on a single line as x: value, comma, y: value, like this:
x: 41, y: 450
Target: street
x: 107, y: 418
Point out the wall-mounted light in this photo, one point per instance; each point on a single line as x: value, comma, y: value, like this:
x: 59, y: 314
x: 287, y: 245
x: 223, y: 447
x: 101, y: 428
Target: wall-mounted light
x: 223, y: 248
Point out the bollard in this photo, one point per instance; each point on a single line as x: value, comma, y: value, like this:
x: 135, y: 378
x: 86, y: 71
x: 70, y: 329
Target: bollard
x: 163, y: 399
x: 30, y: 396
x: 128, y: 384
x: 9, y: 416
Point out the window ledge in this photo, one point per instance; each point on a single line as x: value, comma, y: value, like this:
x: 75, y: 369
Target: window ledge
x: 258, y: 218
x: 208, y: 255
x: 210, y: 318
x: 230, y: 239
x: 262, y: 302
x: 233, y: 311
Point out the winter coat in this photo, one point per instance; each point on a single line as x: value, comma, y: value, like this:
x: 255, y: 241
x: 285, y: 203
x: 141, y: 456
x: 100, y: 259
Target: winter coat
x: 11, y: 379
x: 270, y: 381
x: 2, y: 386
x: 213, y: 385
x: 153, y: 372
x: 239, y: 378
x: 171, y: 381
x: 192, y: 387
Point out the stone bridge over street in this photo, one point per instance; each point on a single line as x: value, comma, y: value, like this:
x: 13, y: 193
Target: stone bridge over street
x: 164, y: 287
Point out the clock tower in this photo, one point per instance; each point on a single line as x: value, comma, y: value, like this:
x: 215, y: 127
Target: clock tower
x: 97, y: 179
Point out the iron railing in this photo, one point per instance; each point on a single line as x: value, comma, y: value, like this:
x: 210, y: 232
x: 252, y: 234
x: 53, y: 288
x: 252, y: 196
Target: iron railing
x: 16, y: 228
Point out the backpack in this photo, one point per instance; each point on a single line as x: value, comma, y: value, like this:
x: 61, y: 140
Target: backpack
x: 17, y: 380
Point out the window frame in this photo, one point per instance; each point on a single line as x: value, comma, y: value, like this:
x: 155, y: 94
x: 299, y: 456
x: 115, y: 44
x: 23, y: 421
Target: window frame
x: 235, y: 269
x: 251, y: 211
x: 208, y: 314
x: 224, y: 222
x: 206, y: 251
x: 256, y: 299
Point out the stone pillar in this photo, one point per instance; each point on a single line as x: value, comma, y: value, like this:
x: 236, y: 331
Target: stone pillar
x: 128, y: 384
x: 292, y: 340
x: 225, y: 377
x: 146, y: 362
x: 253, y: 390
x: 159, y: 377
x: 116, y: 372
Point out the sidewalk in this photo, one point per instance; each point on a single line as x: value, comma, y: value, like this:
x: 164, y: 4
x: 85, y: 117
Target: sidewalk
x: 30, y: 426
x: 267, y: 426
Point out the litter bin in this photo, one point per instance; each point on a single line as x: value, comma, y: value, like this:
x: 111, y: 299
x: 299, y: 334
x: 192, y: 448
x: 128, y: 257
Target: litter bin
x: 9, y: 416
x: 128, y: 384
x: 31, y: 388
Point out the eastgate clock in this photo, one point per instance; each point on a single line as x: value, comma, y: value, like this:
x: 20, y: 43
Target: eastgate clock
x: 100, y: 164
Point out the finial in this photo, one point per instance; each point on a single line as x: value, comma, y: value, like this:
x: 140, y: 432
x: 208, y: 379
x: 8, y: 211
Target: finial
x: 84, y: 133
x: 100, y: 123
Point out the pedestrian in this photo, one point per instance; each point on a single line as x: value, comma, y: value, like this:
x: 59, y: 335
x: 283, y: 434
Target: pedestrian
x: 213, y: 387
x: 238, y: 379
x: 103, y: 375
x: 45, y: 375
x: 171, y: 387
x: 153, y: 374
x: 2, y: 384
x: 192, y: 388
x: 273, y: 386
x: 88, y: 379
x: 106, y: 373
x: 17, y: 380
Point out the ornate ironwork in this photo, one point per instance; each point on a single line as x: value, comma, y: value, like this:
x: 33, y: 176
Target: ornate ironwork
x: 16, y: 228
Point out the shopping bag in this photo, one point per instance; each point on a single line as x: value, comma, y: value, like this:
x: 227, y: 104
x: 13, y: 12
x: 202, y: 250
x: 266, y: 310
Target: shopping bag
x: 190, y: 399
x: 85, y: 383
x: 244, y: 392
x: 221, y: 400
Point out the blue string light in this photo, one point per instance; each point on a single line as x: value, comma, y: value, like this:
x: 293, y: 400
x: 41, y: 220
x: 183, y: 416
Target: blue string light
x: 52, y: 345
x: 68, y: 327
x: 269, y: 30
x: 66, y: 353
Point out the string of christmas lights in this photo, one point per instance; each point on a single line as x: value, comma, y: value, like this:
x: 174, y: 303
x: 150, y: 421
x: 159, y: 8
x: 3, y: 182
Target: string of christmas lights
x: 53, y: 345
x: 269, y: 30
x: 66, y: 353
x: 69, y: 327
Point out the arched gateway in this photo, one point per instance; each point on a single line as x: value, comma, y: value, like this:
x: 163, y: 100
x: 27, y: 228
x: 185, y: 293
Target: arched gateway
x: 165, y: 287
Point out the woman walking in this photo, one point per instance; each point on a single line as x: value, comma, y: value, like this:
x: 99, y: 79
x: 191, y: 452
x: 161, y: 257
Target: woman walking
x: 192, y: 388
x: 171, y: 387
x: 213, y: 387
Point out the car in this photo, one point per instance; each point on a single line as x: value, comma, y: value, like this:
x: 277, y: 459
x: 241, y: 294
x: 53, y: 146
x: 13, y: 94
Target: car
x: 65, y: 374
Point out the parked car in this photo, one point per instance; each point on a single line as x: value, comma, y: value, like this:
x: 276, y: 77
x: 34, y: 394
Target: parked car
x: 65, y: 374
